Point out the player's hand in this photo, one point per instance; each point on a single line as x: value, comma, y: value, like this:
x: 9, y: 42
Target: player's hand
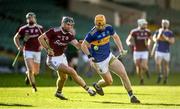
x: 91, y: 61
x: 50, y: 52
x: 160, y: 32
x: 123, y: 53
x: 20, y: 48
x: 151, y: 54
x: 165, y: 38
x: 41, y: 47
x: 81, y: 41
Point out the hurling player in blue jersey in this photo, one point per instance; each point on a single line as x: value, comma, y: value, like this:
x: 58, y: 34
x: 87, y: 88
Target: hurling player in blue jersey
x: 162, y: 53
x: 101, y: 58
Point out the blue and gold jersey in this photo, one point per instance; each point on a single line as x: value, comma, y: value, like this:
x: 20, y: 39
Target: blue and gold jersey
x: 99, y: 40
x: 164, y: 46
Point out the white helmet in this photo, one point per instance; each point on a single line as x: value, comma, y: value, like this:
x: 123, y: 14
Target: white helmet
x: 165, y: 23
x: 141, y: 22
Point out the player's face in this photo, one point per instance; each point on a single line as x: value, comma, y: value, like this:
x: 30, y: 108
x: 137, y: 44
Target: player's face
x: 165, y: 25
x: 31, y: 20
x: 67, y: 26
x: 144, y: 26
x: 100, y: 27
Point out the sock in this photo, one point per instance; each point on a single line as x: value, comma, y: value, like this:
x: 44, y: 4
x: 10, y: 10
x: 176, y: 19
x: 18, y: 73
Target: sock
x: 58, y: 91
x: 97, y: 86
x: 165, y: 78
x: 160, y: 75
x: 26, y: 72
x: 130, y: 93
x: 86, y: 87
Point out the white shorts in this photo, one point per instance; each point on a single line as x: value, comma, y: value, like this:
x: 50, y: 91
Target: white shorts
x: 104, y: 65
x: 55, y: 61
x: 140, y: 55
x: 162, y: 55
x: 36, y: 56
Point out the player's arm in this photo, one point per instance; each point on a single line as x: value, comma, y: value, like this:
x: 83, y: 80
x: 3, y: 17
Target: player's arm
x: 150, y: 42
x: 17, y: 41
x: 157, y: 35
x: 154, y: 37
x: 118, y: 42
x: 76, y: 44
x: 129, y: 40
x: 170, y: 40
x: 43, y: 40
x: 84, y: 47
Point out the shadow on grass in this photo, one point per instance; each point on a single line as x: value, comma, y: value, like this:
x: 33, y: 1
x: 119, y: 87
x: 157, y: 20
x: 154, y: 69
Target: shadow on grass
x: 114, y: 93
x: 14, y: 104
x: 149, y: 104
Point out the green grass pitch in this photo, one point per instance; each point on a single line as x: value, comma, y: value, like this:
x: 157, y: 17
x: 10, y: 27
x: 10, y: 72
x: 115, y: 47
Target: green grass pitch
x: 14, y: 94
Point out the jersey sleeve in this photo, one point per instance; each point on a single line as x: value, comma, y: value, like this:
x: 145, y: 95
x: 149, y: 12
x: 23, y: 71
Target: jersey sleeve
x: 111, y: 30
x: 171, y: 34
x: 21, y: 32
x: 88, y: 38
x: 49, y: 33
x: 72, y: 37
x: 132, y: 33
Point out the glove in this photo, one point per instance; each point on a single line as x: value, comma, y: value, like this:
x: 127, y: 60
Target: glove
x: 123, y: 53
x: 50, y: 52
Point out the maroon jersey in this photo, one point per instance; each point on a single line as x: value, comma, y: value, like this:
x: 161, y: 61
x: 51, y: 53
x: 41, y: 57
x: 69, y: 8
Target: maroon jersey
x: 30, y: 35
x: 140, y: 39
x: 59, y: 39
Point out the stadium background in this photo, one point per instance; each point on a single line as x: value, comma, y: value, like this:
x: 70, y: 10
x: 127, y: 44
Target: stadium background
x: 122, y: 14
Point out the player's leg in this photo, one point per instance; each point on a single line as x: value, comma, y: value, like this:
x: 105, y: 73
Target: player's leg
x: 105, y: 81
x: 36, y: 68
x: 118, y: 68
x: 102, y: 68
x: 166, y: 67
x: 166, y: 71
x: 139, y: 70
x: 144, y: 63
x: 37, y: 61
x: 144, y: 66
x: 137, y: 62
x: 29, y: 62
x: 70, y: 71
x: 158, y: 61
x: 62, y: 77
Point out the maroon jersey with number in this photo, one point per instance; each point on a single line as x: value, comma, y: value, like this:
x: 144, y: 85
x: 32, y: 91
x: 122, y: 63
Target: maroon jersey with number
x: 30, y: 35
x: 140, y: 39
x: 59, y: 39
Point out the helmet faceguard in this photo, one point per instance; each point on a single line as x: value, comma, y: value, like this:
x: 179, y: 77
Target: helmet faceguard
x: 68, y: 20
x: 165, y: 23
x: 31, y: 18
x: 142, y: 23
x: 100, y: 21
x: 67, y: 23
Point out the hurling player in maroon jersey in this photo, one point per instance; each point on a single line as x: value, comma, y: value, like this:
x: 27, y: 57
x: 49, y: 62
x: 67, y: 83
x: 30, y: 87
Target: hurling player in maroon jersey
x: 140, y: 38
x: 55, y: 42
x: 31, y: 47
